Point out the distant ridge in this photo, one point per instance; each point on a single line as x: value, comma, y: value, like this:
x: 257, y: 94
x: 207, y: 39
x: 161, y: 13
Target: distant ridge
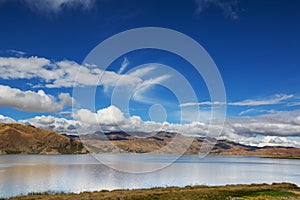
x: 27, y: 139
x: 150, y: 142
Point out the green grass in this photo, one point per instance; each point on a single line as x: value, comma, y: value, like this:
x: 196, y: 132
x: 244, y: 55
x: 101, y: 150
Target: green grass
x: 270, y: 194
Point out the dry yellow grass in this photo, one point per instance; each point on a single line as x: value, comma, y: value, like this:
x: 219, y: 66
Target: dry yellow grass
x: 254, y: 191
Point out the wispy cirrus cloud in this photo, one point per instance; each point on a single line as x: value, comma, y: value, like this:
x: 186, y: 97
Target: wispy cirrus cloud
x: 17, y: 52
x: 252, y: 110
x: 124, y: 65
x: 228, y: 7
x: 296, y: 102
x: 276, y: 99
x: 204, y: 103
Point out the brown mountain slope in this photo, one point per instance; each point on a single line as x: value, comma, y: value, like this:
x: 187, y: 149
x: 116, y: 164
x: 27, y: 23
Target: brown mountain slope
x: 116, y: 142
x: 22, y: 139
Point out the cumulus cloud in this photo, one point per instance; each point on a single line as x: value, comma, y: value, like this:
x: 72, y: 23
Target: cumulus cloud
x: 262, y: 141
x: 61, y: 125
x: 263, y: 127
x: 33, y: 101
x: 110, y: 116
x: 19, y: 67
x: 229, y: 7
x: 5, y: 119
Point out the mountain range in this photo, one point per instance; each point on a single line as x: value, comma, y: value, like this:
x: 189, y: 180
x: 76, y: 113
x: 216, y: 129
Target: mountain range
x: 27, y: 139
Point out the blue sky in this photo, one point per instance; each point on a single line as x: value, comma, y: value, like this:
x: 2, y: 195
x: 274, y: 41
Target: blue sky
x: 255, y: 45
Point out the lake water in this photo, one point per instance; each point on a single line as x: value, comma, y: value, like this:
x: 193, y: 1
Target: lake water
x: 21, y: 174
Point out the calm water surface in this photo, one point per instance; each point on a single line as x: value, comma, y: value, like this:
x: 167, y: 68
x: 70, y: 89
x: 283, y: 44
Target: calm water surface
x: 21, y: 174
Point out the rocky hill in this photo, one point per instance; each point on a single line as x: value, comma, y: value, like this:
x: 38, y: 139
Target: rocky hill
x: 22, y: 139
x: 115, y: 142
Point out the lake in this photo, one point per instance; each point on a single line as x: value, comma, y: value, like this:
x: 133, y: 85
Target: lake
x: 21, y: 174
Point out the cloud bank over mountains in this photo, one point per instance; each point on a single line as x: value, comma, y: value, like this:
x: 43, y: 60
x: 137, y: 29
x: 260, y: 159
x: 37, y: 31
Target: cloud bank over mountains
x: 265, y: 130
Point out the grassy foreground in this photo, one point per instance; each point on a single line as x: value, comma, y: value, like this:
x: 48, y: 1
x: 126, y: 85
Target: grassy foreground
x: 253, y: 191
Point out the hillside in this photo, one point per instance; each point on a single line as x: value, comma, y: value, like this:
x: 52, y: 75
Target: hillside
x: 138, y: 143
x: 22, y: 139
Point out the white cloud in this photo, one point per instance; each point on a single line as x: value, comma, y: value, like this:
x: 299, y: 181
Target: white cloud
x: 277, y: 123
x: 16, y: 52
x: 229, y: 7
x: 110, y: 116
x: 124, y: 65
x: 266, y: 128
x: 252, y: 110
x: 66, y: 99
x: 262, y: 141
x: 140, y: 92
x: 136, y: 85
x: 141, y: 72
x: 56, y: 6
x: 61, y: 125
x: 293, y: 104
x: 5, y: 119
x: 32, y: 101
x: 279, y: 98
x: 16, y: 67
x: 205, y: 103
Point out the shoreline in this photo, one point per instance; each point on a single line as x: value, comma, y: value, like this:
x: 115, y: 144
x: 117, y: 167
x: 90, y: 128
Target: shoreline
x: 292, y: 157
x: 240, y: 191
